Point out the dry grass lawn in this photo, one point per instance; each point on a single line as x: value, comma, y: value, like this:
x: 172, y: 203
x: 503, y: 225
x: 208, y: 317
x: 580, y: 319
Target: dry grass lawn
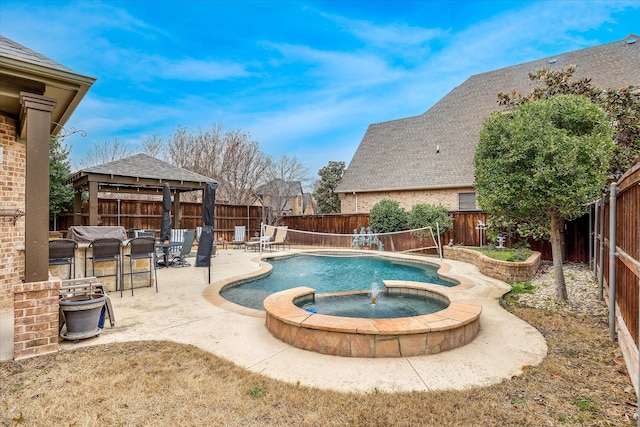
x: 583, y: 381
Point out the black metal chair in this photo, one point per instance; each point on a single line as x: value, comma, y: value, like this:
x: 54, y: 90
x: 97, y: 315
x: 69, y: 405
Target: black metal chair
x: 63, y: 252
x: 141, y: 248
x: 104, y: 250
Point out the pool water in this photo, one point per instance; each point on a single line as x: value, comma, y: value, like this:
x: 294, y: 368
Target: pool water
x: 386, y: 306
x: 328, y: 274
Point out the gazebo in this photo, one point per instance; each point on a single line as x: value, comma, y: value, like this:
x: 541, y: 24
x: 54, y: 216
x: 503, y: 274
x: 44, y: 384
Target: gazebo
x: 140, y: 174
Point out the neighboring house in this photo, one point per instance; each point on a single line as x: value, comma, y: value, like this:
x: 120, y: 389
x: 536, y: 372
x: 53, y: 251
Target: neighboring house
x: 37, y: 98
x: 309, y: 204
x: 284, y: 198
x: 429, y: 158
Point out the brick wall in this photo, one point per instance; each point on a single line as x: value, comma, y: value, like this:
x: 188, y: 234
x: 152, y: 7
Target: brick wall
x: 35, y: 318
x: 365, y: 201
x: 501, y: 270
x: 12, y: 196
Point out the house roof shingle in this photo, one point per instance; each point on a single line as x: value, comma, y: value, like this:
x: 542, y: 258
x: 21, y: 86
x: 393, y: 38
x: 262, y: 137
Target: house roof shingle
x: 14, y: 50
x: 401, y: 154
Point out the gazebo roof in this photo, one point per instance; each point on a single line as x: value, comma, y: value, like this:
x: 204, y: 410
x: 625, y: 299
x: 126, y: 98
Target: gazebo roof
x: 139, y: 173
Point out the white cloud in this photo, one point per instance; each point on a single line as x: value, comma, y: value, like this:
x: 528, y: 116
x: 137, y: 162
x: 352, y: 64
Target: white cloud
x: 397, y: 36
x: 339, y: 68
x: 196, y: 69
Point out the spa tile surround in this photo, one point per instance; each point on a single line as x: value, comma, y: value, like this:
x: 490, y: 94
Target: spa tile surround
x: 455, y: 326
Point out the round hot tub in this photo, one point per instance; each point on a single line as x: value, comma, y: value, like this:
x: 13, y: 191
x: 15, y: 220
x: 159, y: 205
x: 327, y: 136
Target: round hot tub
x: 290, y: 318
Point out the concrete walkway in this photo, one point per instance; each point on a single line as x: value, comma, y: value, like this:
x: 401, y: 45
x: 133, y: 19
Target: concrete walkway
x: 180, y: 313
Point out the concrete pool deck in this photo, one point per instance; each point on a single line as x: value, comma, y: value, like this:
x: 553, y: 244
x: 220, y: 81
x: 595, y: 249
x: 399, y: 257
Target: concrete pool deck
x: 187, y: 310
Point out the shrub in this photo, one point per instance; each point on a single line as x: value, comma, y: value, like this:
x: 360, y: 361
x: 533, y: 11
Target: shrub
x: 427, y: 215
x: 519, y: 256
x: 387, y: 216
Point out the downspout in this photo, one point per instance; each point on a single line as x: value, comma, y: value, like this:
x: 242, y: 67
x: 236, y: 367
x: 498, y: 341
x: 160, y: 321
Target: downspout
x: 356, y: 196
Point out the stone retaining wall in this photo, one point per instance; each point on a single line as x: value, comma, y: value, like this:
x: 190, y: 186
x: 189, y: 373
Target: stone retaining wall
x: 502, y: 270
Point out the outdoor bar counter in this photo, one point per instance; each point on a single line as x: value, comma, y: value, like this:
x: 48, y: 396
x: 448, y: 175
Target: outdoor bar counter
x: 83, y: 236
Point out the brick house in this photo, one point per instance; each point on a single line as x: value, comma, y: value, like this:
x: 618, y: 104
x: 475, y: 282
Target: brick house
x: 429, y: 158
x: 37, y: 97
x: 284, y: 198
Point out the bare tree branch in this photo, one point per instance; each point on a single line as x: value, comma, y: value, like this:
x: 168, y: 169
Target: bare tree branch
x: 230, y: 157
x: 105, y: 152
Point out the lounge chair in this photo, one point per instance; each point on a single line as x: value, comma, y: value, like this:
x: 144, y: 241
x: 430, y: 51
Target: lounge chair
x: 280, y: 238
x: 239, y: 238
x: 180, y: 260
x: 267, y: 237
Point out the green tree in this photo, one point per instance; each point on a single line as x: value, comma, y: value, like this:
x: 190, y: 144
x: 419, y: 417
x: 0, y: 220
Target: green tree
x: 427, y: 215
x: 622, y: 107
x: 542, y: 164
x: 60, y: 194
x: 327, y: 200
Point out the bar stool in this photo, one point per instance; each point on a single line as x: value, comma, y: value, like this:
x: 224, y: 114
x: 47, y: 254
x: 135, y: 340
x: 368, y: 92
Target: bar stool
x: 104, y: 250
x: 63, y: 252
x: 141, y: 248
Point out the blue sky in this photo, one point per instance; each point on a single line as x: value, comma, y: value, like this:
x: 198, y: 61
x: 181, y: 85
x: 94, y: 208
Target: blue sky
x: 303, y: 78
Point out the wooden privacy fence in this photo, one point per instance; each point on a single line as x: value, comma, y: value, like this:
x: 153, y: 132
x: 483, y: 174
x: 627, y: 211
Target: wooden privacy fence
x: 464, y: 232
x: 616, y: 262
x: 147, y: 215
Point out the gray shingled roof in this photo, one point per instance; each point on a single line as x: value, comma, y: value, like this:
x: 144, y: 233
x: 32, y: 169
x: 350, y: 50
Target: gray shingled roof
x: 144, y: 166
x: 401, y: 154
x: 15, y: 50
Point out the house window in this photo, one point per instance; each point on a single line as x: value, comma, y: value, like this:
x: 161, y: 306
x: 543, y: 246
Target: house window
x: 467, y: 201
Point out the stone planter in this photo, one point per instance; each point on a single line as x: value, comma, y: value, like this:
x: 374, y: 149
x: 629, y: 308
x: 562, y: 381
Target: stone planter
x: 82, y: 315
x: 501, y: 270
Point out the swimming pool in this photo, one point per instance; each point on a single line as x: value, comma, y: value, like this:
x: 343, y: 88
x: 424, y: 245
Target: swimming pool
x: 328, y: 274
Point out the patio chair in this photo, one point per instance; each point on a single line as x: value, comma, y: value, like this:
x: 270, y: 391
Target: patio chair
x: 280, y: 238
x: 177, y: 235
x: 239, y: 236
x: 180, y: 260
x: 63, y: 252
x: 141, y: 248
x: 104, y: 250
x: 269, y: 232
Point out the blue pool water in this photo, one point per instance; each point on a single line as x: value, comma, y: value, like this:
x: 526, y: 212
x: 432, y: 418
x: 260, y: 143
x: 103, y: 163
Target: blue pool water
x: 386, y: 306
x: 327, y: 274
